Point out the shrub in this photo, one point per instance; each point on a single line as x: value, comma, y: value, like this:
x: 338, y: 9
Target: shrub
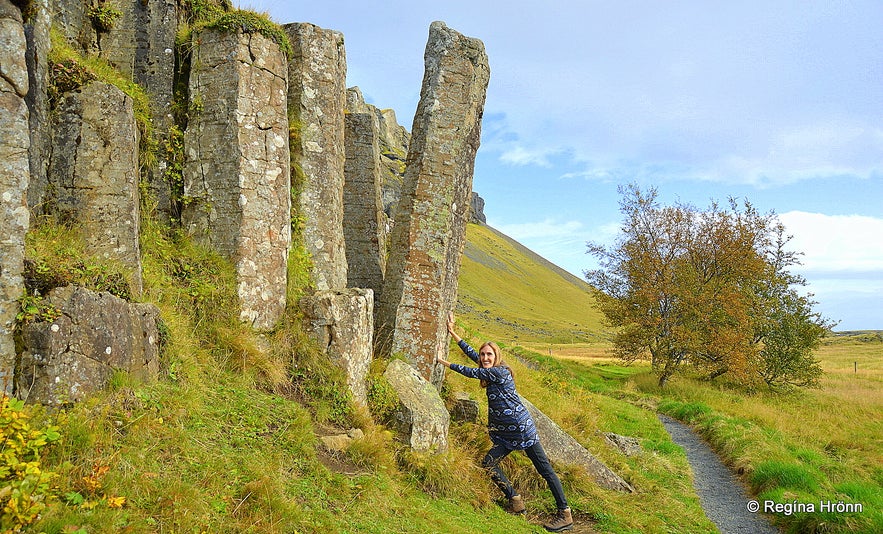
x: 66, y: 75
x: 24, y: 485
x: 104, y: 16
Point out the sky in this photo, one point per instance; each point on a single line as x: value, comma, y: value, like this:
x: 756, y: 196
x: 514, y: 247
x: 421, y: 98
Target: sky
x: 777, y: 103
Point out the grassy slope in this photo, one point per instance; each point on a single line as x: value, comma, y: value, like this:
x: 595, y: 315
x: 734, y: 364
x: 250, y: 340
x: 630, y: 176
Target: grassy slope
x: 510, y: 294
x: 208, y: 448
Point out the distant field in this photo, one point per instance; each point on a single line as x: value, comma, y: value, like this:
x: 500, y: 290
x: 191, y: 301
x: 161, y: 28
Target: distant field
x: 579, y: 352
x: 807, y: 445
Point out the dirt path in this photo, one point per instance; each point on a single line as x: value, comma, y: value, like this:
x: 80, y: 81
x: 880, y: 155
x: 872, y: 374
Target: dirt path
x: 721, y: 494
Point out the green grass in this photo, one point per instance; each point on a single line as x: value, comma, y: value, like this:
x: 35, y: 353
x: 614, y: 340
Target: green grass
x: 226, y: 441
x: 510, y: 294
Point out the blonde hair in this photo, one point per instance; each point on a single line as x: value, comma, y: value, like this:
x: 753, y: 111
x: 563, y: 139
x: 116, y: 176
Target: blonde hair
x: 498, y: 359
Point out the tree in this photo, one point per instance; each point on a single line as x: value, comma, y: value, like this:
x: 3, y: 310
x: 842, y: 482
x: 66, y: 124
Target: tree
x: 708, y: 289
x: 789, y: 330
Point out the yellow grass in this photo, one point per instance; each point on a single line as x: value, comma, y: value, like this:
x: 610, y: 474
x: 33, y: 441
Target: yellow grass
x: 588, y: 353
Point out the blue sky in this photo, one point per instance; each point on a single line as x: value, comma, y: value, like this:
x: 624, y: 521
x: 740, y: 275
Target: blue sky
x: 779, y: 103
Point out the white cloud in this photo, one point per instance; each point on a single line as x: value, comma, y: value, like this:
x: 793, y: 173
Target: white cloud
x: 519, y: 156
x: 836, y: 243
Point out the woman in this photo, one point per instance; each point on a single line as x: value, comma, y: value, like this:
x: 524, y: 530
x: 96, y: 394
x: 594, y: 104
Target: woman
x: 510, y: 426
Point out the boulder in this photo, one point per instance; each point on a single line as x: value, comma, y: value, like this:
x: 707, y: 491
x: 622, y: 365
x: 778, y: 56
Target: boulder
x: 421, y: 416
x: 464, y: 408
x: 342, y: 321
x: 624, y: 444
x: 96, y: 334
x: 561, y: 447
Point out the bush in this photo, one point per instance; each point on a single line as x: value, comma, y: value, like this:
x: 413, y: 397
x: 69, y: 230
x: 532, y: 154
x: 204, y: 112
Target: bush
x: 24, y: 485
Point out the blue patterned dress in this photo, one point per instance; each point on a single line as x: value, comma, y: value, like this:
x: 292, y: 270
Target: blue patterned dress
x: 508, y: 421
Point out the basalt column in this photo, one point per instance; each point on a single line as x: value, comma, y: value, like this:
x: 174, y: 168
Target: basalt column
x: 237, y: 165
x: 429, y: 233
x: 365, y: 228
x: 141, y: 44
x: 316, y: 100
x: 14, y: 172
x: 94, y: 172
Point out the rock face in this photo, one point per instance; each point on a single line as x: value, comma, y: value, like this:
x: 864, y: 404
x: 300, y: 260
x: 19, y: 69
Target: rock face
x: 627, y: 445
x: 365, y: 227
x: 476, y: 210
x: 14, y: 172
x: 343, y: 323
x: 94, y: 171
x: 561, y: 447
x: 464, y: 408
x: 37, y: 34
x: 76, y: 354
x: 237, y: 165
x: 72, y: 21
x: 392, y: 143
x: 421, y: 416
x: 317, y: 98
x: 427, y: 240
x: 141, y: 44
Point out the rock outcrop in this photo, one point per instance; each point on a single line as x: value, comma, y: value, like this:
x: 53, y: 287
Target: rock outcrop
x: 365, y: 228
x: 393, y: 144
x: 317, y: 98
x: 561, y: 447
x: 141, y: 44
x: 342, y: 321
x: 37, y: 34
x: 76, y: 354
x: 237, y: 165
x: 427, y: 240
x: 421, y: 416
x: 476, y: 210
x: 14, y: 173
x: 464, y: 408
x: 94, y: 172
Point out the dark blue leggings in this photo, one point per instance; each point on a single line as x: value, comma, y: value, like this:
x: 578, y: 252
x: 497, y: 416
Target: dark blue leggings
x: 540, y: 461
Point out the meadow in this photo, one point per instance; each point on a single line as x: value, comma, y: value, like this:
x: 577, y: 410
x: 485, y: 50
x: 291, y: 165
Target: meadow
x: 821, y: 447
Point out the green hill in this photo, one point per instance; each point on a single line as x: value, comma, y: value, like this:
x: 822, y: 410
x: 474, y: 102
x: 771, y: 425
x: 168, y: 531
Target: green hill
x: 511, y: 294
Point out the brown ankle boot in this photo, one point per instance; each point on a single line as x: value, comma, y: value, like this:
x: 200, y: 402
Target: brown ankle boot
x: 516, y: 505
x: 563, y: 520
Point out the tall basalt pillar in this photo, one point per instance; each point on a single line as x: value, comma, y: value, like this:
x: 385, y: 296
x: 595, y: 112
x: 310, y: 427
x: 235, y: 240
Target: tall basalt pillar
x: 141, y: 44
x: 364, y: 228
x: 94, y: 172
x: 37, y: 34
x: 316, y: 100
x: 237, y: 165
x: 429, y: 233
x: 14, y: 173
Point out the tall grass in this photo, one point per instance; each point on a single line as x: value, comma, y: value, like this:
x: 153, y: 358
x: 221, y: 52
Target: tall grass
x: 813, y: 446
x: 226, y: 439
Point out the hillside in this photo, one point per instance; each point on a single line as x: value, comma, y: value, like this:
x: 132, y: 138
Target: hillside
x: 511, y: 294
